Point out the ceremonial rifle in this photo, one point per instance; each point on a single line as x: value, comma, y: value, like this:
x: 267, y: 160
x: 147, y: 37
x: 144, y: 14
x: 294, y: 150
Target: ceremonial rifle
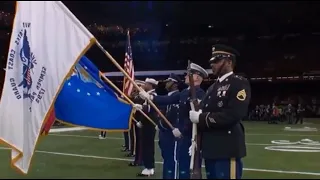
x: 195, y: 167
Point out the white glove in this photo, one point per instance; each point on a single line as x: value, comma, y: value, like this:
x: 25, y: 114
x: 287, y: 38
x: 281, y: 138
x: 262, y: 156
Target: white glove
x: 144, y: 95
x: 157, y: 128
x: 190, y: 148
x: 176, y: 132
x: 194, y: 115
x: 137, y: 106
x: 139, y: 124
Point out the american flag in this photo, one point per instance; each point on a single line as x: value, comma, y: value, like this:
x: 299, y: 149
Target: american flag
x: 128, y: 67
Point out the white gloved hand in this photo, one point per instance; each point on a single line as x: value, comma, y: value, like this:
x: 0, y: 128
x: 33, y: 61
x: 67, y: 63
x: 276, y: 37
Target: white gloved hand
x: 139, y: 124
x: 144, y: 95
x: 190, y: 148
x: 137, y: 106
x: 176, y: 133
x: 194, y: 115
x: 157, y: 128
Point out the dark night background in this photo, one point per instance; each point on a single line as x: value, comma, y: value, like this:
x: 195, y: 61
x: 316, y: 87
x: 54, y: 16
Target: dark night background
x: 275, y: 39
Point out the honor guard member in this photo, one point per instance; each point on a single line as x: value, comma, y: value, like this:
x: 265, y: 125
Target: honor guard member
x: 219, y: 119
x: 136, y: 131
x: 167, y: 142
x: 134, y: 96
x: 148, y: 129
x: 183, y: 128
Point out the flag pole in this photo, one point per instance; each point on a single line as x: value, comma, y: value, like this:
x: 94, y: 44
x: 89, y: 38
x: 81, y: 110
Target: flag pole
x: 195, y: 171
x: 134, y: 83
x: 126, y: 97
x: 134, y: 120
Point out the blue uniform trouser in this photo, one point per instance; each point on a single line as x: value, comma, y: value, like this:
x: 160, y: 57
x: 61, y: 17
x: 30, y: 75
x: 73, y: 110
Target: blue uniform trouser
x: 224, y: 168
x: 183, y: 158
x: 138, y: 146
x: 169, y: 151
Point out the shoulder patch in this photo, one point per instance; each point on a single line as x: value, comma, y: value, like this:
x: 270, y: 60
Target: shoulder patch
x: 241, y: 95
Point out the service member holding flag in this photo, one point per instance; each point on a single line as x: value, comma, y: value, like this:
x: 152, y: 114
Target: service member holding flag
x: 136, y: 131
x: 183, y: 128
x: 219, y: 121
x: 148, y: 129
x: 167, y: 142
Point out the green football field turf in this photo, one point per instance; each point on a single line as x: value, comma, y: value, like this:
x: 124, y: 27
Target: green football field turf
x: 80, y: 154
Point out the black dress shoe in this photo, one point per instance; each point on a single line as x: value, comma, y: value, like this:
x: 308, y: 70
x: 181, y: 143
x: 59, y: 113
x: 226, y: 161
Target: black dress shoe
x: 124, y: 150
x: 144, y: 175
x: 134, y: 164
x: 129, y: 155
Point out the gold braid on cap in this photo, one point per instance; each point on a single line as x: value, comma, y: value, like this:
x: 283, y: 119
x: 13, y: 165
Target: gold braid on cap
x: 221, y: 52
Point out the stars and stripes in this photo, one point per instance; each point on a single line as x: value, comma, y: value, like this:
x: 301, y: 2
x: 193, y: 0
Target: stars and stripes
x: 128, y: 67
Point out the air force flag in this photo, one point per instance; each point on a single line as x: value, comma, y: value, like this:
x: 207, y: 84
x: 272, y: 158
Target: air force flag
x: 86, y: 100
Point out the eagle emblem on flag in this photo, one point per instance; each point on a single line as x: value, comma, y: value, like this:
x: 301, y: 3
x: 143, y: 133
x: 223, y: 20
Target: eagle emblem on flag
x: 29, y: 61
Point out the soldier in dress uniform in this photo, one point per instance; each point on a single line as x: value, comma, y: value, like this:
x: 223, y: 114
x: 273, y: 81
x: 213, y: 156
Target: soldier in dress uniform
x: 132, y: 133
x: 167, y: 142
x: 148, y: 129
x: 219, y: 119
x: 183, y: 128
x: 137, y: 132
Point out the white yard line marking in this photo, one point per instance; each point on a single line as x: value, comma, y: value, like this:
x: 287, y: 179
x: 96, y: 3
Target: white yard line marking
x: 67, y: 129
x: 158, y: 162
x: 72, y: 129
x: 118, y: 138
x: 297, y: 135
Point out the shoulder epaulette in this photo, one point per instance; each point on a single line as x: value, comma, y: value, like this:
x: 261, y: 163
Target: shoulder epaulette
x: 240, y: 77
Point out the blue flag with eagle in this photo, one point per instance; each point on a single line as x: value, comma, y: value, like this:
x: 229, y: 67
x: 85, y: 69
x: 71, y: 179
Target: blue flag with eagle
x: 85, y: 100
